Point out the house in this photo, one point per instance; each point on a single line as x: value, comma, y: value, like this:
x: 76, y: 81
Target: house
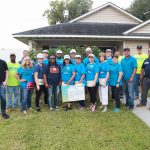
x: 107, y: 26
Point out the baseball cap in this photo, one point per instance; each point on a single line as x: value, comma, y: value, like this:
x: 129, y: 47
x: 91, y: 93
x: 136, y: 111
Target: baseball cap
x: 66, y: 57
x: 45, y: 51
x: 88, y: 49
x: 78, y: 56
x: 139, y: 46
x: 73, y: 51
x: 40, y: 55
x: 126, y: 49
x: 108, y: 50
x: 59, y: 52
x: 91, y: 55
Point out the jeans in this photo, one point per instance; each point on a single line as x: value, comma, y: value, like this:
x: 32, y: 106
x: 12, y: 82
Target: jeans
x: 12, y: 90
x: 136, y: 85
x: 3, y: 98
x: 26, y: 98
x: 129, y: 93
x: 145, y: 88
x: 53, y: 90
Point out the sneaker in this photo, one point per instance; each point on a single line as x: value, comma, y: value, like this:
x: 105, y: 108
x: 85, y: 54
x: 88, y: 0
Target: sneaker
x: 140, y: 105
x: 38, y: 109
x: 24, y: 111
x: 105, y: 109
x: 67, y: 108
x: 116, y: 110
x: 30, y: 108
x: 93, y: 108
x: 130, y: 108
x: 5, y: 115
x: 56, y: 108
x: 101, y: 107
x: 136, y: 97
x: 51, y: 109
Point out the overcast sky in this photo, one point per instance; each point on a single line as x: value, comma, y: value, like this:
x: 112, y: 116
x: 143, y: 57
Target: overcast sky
x: 21, y: 15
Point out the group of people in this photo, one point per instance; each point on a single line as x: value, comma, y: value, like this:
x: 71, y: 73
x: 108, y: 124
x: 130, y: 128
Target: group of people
x: 122, y: 74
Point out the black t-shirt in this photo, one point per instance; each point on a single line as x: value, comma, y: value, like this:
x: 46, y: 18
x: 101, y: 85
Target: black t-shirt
x: 146, y: 67
x: 3, y: 69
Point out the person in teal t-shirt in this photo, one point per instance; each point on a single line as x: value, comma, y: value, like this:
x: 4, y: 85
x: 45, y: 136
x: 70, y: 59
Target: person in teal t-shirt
x: 115, y: 71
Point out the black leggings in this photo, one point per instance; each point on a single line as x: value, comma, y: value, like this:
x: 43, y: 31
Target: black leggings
x: 92, y: 93
x: 115, y: 94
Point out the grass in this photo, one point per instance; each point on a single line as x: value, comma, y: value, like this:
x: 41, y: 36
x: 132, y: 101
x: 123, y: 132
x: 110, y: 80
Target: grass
x: 74, y: 130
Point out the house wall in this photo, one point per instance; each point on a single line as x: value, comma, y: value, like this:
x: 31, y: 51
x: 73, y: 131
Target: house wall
x: 144, y: 29
x: 109, y: 15
x: 133, y: 44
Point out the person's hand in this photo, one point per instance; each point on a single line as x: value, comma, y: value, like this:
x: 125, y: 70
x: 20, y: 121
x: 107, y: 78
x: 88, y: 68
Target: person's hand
x: 131, y: 80
x: 80, y: 81
x: 60, y: 83
x: 104, y: 85
x: 117, y: 85
x: 141, y: 77
x: 68, y: 82
x: 38, y: 87
x: 46, y: 85
x: 4, y: 83
x: 94, y: 83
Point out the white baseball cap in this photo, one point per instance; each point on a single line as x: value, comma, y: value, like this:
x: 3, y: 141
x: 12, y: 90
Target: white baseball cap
x: 45, y: 51
x: 88, y: 49
x: 40, y: 55
x: 59, y: 52
x: 78, y: 56
x: 91, y: 55
x: 66, y: 57
x: 73, y: 51
x: 108, y: 50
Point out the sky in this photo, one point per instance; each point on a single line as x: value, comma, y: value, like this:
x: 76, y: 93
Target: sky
x: 21, y: 15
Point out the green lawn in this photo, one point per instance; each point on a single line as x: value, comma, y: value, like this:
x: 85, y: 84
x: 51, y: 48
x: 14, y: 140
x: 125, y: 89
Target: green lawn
x: 74, y: 130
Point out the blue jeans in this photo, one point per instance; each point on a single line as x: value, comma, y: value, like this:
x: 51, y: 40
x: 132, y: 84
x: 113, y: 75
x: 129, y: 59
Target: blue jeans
x: 129, y: 93
x: 53, y: 90
x: 136, y: 84
x: 12, y: 90
x: 26, y: 98
x: 3, y: 98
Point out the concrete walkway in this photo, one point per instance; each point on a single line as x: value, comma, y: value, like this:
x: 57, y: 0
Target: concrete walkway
x: 143, y: 112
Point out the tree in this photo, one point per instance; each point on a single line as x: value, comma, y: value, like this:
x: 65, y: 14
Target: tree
x: 64, y: 11
x: 140, y: 9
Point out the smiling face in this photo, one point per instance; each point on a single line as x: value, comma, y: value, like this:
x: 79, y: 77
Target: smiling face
x: 127, y: 53
x: 72, y: 55
x: 101, y: 58
x: 45, y: 55
x: 108, y: 53
x: 59, y: 55
x: 91, y: 59
x: 40, y: 60
x: 78, y: 60
x: 139, y: 51
x: 52, y: 59
x: 67, y: 61
x: 13, y: 58
x: 115, y: 60
x: 25, y: 54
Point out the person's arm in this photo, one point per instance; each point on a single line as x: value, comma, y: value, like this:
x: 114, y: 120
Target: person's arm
x: 95, y: 79
x: 82, y: 78
x: 45, y: 80
x: 106, y: 78
x: 133, y: 74
x: 36, y: 80
x: 6, y: 78
x: 72, y: 77
x: 119, y: 79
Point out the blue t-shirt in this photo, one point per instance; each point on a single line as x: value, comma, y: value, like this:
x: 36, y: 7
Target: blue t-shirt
x: 45, y: 61
x: 66, y: 73
x: 103, y: 69
x: 59, y: 62
x: 91, y: 70
x: 86, y: 60
x: 114, y: 70
x: 27, y: 74
x: 80, y: 70
x: 128, y: 66
x: 73, y: 61
x: 110, y: 61
x: 39, y: 70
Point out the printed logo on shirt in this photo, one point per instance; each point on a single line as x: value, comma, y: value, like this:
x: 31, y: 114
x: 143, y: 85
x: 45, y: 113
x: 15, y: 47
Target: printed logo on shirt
x: 54, y: 69
x: 146, y: 63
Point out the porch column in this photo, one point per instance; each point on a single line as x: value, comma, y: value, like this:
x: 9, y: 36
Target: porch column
x: 124, y: 44
x: 30, y: 45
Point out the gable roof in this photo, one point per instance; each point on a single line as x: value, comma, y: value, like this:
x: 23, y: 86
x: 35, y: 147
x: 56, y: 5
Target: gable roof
x: 104, y: 6
x: 136, y: 27
x: 80, y: 28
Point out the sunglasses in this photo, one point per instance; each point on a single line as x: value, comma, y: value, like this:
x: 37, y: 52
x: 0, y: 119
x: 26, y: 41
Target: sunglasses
x: 52, y: 58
